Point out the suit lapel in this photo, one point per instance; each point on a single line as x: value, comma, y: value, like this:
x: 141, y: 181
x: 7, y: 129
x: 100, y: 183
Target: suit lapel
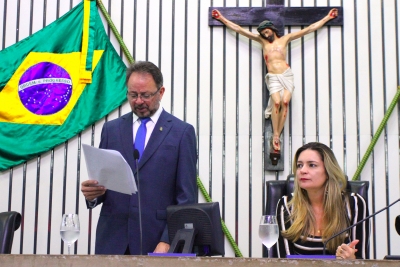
x: 126, y: 132
x: 161, y: 130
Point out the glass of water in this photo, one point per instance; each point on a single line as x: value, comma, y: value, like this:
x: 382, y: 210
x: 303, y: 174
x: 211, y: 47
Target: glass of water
x: 268, y: 231
x: 69, y: 229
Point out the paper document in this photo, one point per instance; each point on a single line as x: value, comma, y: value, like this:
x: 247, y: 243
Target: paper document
x: 110, y: 169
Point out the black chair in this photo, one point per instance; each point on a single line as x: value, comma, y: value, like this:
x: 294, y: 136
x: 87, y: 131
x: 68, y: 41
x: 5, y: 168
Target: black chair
x: 276, y: 189
x: 9, y: 222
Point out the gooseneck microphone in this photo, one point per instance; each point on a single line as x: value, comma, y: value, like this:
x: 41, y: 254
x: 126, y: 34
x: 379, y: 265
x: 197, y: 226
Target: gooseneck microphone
x: 357, y: 223
x: 136, y: 156
x: 397, y: 224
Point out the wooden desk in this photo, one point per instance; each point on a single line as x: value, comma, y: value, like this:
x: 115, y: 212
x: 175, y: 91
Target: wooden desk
x: 106, y: 261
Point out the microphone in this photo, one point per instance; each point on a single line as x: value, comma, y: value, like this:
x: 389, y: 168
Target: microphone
x: 363, y: 220
x: 397, y: 224
x: 136, y: 156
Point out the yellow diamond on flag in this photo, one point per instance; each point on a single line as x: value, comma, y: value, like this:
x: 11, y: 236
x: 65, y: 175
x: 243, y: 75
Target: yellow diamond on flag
x: 44, y: 89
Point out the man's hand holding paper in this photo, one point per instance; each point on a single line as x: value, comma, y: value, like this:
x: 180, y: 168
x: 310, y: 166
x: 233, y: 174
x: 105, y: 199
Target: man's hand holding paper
x: 92, y: 190
x: 107, y: 169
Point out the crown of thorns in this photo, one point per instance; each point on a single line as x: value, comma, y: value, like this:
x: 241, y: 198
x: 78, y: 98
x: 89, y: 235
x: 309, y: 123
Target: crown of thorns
x: 267, y: 24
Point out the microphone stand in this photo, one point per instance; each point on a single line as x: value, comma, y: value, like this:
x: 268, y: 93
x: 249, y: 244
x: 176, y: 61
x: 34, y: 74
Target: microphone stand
x: 136, y: 157
x: 351, y: 226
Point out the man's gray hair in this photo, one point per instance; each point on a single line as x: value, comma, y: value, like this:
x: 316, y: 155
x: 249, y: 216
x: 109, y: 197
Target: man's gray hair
x: 146, y: 67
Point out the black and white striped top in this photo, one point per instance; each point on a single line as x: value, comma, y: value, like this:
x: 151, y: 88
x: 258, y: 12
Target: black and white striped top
x: 357, y: 210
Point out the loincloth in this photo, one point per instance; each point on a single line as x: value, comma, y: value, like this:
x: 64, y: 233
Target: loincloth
x: 277, y: 83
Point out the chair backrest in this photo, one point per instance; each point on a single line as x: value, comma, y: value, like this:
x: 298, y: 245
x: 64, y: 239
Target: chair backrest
x: 9, y: 222
x: 277, y: 189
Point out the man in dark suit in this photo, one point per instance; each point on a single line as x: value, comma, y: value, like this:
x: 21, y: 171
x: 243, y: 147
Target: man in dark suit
x: 167, y: 169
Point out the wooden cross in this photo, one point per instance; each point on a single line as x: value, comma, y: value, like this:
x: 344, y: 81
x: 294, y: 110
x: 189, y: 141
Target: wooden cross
x: 276, y: 12
x: 281, y: 16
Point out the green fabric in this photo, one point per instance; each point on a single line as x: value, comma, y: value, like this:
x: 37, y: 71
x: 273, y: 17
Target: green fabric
x: 21, y: 142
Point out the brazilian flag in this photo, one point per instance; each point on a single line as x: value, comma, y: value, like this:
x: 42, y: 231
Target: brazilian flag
x: 55, y: 83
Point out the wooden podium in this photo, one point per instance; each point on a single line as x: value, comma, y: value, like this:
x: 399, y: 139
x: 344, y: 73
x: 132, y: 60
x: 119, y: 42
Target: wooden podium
x: 147, y: 261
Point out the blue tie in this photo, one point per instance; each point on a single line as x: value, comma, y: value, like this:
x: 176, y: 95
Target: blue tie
x: 141, y: 136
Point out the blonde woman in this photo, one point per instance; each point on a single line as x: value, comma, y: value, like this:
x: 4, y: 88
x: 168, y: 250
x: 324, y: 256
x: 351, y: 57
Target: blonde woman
x: 319, y: 208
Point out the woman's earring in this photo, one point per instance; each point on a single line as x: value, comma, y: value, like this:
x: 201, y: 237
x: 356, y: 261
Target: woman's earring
x: 326, y: 187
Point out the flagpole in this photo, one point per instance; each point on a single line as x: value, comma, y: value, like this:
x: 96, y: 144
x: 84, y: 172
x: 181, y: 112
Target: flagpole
x: 116, y: 33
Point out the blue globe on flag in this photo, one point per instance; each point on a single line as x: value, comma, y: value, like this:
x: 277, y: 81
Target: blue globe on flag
x: 45, y: 88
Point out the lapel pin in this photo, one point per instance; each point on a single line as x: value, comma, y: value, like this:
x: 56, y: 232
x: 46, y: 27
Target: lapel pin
x: 160, y: 129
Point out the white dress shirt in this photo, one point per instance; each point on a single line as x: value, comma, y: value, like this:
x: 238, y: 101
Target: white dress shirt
x: 149, y: 125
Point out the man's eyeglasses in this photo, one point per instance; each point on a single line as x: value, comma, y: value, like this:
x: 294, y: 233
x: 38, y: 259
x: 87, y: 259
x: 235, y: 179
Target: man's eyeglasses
x: 142, y: 96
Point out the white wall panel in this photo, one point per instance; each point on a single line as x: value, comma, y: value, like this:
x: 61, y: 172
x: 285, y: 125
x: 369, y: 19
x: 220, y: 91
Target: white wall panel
x: 309, y: 76
x: 323, y: 87
x: 57, y: 198
x: 177, y: 101
x: 141, y: 28
x: 349, y: 65
x: 38, y: 16
x: 24, y: 28
x: 2, y: 21
x: 153, y: 31
x: 166, y: 59
x: 192, y: 61
x: 9, y: 30
x: 114, y: 8
x: 337, y: 94
x: 42, y: 199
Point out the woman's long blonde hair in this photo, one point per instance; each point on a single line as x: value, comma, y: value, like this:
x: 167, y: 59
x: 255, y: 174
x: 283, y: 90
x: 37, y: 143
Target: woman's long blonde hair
x: 335, y: 216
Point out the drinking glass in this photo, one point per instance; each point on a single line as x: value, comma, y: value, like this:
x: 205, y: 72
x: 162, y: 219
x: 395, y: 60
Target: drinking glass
x: 69, y: 229
x: 268, y: 231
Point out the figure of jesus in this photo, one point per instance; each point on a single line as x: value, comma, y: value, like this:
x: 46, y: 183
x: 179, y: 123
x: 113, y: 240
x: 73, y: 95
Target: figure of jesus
x: 279, y: 78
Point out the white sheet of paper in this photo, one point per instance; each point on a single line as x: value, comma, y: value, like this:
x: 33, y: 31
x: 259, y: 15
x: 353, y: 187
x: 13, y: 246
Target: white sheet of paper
x: 110, y: 169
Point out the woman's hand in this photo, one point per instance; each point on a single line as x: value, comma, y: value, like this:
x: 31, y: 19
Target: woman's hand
x: 347, y: 251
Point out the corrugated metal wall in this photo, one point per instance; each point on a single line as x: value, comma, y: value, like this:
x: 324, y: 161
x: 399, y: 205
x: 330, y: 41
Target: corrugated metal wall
x: 345, y: 79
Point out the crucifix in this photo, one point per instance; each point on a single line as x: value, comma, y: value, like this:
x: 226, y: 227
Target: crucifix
x: 271, y: 36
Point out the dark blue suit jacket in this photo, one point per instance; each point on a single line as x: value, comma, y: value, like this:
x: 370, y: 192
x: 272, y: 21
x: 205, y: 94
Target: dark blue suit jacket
x: 167, y: 173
